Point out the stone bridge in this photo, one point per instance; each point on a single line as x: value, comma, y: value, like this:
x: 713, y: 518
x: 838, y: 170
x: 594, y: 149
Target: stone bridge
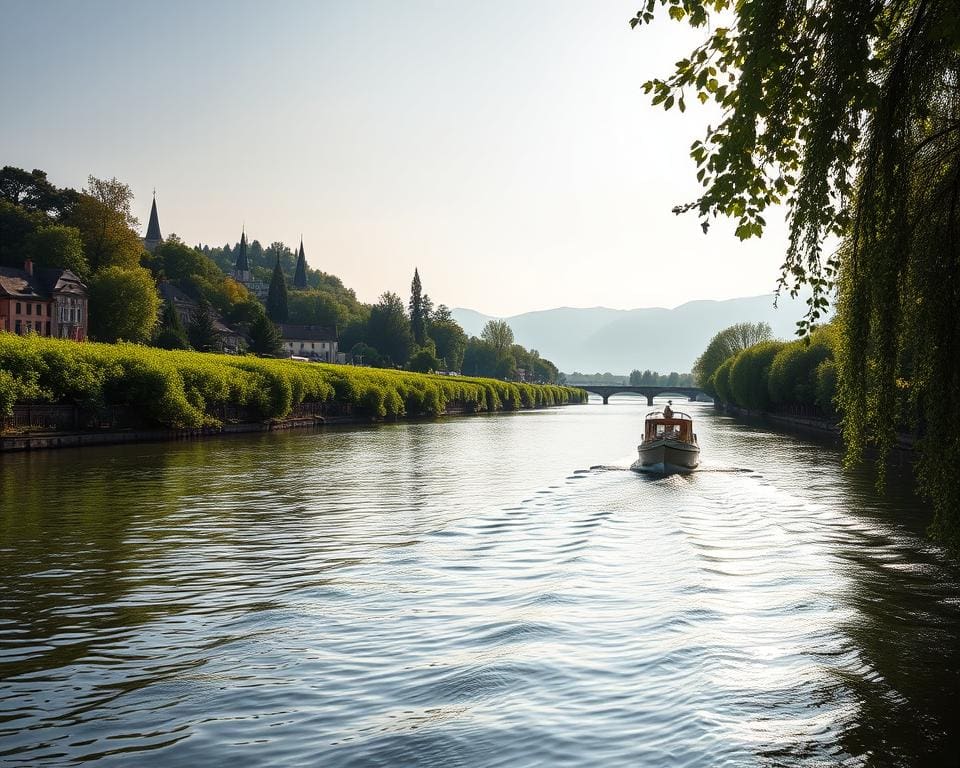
x: 605, y: 392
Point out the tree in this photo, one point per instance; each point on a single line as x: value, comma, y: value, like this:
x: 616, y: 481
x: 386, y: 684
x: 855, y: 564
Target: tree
x: 635, y: 377
x: 277, y: 295
x: 449, y: 338
x: 724, y: 344
x: 123, y: 304
x: 418, y: 320
x: 265, y: 337
x: 424, y: 360
x: 33, y: 192
x: 102, y: 214
x: 866, y: 147
x: 749, y: 373
x: 480, y: 358
x: 57, y: 246
x: 202, y: 332
x: 389, y: 329
x: 171, y: 334
x: 498, y: 334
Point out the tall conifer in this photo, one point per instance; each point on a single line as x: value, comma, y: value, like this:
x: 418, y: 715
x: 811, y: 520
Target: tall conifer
x: 277, y: 296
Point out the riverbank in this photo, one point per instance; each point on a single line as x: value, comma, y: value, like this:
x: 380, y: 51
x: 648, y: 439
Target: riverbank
x: 55, y: 392
x: 815, y: 425
x: 47, y: 440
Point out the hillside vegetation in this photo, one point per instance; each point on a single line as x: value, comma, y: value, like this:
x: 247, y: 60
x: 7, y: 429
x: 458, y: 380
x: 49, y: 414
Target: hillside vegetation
x: 183, y: 389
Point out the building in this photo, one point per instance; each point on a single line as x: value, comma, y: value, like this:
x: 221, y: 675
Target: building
x: 243, y: 274
x: 49, y: 302
x: 315, y: 342
x: 187, y: 308
x: 153, y: 238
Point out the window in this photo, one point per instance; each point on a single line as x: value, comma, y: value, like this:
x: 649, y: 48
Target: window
x: 19, y: 310
x: 29, y: 308
x: 312, y: 345
x: 49, y: 311
x: 47, y: 331
x: 19, y: 325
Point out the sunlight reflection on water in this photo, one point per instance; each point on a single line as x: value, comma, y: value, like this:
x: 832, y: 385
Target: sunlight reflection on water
x: 477, y: 591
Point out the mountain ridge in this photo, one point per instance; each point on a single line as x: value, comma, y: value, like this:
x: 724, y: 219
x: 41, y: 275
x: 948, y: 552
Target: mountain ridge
x: 601, y: 339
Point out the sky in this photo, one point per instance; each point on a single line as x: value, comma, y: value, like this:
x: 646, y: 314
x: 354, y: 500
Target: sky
x: 504, y: 148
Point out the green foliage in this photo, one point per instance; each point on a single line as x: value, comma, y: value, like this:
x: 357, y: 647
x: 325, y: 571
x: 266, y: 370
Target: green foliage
x: 794, y: 372
x: 389, y: 329
x: 418, y: 319
x: 720, y: 381
x: 171, y: 334
x: 724, y: 344
x: 57, y: 246
x: 865, y: 146
x: 188, y: 389
x: 424, y: 360
x: 498, y: 334
x: 749, y: 375
x: 449, y: 338
x: 123, y: 304
x: 202, y: 332
x: 277, y: 297
x: 103, y: 217
x: 265, y: 338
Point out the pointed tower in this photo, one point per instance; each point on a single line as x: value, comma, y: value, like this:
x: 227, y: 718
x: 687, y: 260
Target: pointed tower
x: 153, y: 238
x: 300, y: 276
x: 241, y: 270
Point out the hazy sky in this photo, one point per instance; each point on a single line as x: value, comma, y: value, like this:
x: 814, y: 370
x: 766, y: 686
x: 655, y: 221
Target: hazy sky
x: 504, y: 147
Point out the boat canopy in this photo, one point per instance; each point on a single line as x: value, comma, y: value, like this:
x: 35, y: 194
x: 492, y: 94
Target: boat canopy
x: 678, y: 427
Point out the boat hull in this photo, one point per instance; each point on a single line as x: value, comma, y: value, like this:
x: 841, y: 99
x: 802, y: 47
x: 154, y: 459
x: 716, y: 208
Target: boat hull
x: 667, y: 456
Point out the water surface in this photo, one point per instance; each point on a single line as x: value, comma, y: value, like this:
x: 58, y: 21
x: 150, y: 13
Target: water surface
x: 471, y: 592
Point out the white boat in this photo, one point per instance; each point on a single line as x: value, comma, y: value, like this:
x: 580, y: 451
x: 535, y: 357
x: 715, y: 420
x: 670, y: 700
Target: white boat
x: 669, y: 443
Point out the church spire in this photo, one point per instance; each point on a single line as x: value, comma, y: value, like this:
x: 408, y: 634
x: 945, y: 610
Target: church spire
x: 300, y: 276
x: 153, y: 238
x: 242, y: 266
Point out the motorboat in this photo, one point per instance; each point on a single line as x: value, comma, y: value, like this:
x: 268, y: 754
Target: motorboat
x: 669, y: 443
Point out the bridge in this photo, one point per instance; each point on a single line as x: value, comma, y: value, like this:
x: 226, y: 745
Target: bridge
x: 651, y: 392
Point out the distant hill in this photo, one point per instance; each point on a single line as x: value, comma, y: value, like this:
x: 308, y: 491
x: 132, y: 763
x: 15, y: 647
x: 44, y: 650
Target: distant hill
x: 598, y: 339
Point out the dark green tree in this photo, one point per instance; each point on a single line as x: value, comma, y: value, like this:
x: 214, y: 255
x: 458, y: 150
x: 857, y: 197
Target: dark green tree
x: 418, y: 320
x: 170, y: 334
x: 265, y: 337
x: 202, y: 332
x: 277, y: 295
x: 57, y: 246
x: 389, y: 329
x: 449, y: 338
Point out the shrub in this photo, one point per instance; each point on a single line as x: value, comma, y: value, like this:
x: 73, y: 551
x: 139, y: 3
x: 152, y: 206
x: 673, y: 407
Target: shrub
x: 749, y: 375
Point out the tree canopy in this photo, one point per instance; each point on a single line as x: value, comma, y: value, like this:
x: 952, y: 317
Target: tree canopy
x: 849, y: 113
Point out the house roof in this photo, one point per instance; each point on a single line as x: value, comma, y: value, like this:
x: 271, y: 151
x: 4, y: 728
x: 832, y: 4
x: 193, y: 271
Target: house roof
x: 18, y: 284
x: 59, y: 280
x: 308, y: 332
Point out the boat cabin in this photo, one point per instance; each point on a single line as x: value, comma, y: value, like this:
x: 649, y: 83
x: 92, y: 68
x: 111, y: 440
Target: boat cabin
x: 678, y: 427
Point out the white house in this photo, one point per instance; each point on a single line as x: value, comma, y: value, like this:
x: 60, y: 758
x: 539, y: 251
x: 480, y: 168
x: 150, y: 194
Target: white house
x: 315, y: 342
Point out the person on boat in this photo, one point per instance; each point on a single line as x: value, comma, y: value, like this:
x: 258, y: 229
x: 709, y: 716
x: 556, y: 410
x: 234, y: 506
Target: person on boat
x: 667, y: 410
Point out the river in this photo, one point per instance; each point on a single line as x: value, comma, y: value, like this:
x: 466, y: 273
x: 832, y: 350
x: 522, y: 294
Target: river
x: 485, y: 591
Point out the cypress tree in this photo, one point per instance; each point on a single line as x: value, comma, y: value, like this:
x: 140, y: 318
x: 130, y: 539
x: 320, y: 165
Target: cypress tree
x: 203, y: 335
x: 277, y: 296
x: 418, y: 321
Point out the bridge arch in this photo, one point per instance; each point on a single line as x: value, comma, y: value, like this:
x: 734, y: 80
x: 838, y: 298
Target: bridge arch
x: 606, y: 392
